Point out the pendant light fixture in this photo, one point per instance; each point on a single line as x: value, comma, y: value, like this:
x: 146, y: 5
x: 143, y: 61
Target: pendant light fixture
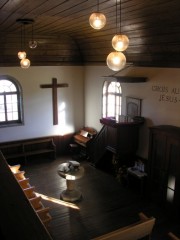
x: 97, y: 20
x: 116, y: 61
x: 21, y: 54
x: 25, y: 62
x: 120, y: 41
x: 32, y: 42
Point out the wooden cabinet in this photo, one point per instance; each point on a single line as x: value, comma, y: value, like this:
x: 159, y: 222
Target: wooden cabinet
x: 164, y: 166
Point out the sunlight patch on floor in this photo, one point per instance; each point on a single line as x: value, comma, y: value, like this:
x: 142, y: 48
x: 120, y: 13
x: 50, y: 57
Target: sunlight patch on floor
x: 58, y: 201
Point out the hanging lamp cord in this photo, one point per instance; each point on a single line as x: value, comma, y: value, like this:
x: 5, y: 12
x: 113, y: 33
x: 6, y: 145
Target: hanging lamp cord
x: 120, y: 16
x: 32, y: 33
x: 97, y: 5
x: 21, y: 37
x: 24, y: 37
x: 116, y: 18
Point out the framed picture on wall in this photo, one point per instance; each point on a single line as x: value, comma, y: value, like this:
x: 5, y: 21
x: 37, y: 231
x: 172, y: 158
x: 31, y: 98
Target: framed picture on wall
x: 133, y: 106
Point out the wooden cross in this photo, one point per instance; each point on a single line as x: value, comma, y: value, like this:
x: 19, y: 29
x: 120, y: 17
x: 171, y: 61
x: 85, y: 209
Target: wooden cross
x: 54, y: 87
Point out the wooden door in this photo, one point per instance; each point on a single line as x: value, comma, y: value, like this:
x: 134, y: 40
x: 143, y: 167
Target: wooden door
x: 173, y: 180
x: 157, y: 165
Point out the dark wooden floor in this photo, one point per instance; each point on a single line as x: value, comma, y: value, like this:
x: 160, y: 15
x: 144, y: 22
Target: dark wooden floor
x: 106, y: 204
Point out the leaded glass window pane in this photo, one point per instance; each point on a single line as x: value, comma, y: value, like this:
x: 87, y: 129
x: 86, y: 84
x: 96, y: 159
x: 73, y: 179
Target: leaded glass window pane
x: 112, y: 97
x: 10, y: 102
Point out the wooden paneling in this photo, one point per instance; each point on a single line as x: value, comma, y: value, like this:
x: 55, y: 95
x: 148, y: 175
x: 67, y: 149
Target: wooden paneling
x: 65, y: 37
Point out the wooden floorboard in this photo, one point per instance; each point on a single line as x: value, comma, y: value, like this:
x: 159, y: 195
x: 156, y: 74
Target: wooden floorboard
x: 105, y: 206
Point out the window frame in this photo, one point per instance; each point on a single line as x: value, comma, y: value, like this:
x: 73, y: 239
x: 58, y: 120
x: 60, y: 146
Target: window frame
x: 106, y: 94
x: 19, y: 93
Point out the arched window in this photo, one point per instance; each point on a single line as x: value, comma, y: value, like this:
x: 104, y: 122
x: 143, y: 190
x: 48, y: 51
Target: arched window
x: 11, y: 110
x: 112, y: 99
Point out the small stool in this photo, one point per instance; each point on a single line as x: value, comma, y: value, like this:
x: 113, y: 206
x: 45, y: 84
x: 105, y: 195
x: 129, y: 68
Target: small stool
x: 71, y: 194
x: 74, y: 149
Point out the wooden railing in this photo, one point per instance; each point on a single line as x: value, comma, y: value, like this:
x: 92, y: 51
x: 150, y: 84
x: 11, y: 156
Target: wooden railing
x: 97, y: 147
x: 19, y: 219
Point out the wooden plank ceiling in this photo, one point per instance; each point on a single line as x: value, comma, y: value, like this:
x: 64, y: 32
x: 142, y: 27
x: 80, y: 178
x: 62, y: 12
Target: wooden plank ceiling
x: 65, y: 37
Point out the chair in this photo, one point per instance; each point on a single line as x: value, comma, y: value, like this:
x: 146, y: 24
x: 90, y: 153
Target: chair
x: 138, y: 230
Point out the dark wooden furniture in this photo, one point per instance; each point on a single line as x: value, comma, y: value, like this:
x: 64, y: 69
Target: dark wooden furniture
x: 138, y: 230
x: 84, y: 135
x: 19, y: 149
x: 164, y: 166
x: 127, y: 79
x: 83, y: 138
x: 122, y: 137
x: 119, y: 138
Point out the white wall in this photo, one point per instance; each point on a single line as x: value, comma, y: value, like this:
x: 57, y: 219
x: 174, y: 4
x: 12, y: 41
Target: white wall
x: 82, y: 111
x: 160, y: 97
x: 38, y: 102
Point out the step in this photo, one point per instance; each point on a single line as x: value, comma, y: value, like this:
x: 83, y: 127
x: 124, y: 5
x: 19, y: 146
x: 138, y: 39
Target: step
x: 24, y: 183
x: 44, y: 216
x: 29, y: 192
x: 36, y: 203
x: 19, y: 175
x: 15, y: 168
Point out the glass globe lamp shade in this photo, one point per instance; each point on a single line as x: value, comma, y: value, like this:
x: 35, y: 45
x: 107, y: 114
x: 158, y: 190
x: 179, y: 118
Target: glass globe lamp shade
x: 120, y: 42
x: 32, y: 44
x: 116, y: 61
x: 21, y: 55
x: 97, y: 20
x: 25, y: 63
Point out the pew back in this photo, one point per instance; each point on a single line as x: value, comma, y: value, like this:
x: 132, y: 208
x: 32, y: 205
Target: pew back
x: 134, y: 231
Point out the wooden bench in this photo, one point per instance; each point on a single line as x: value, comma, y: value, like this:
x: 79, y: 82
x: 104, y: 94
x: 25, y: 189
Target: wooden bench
x: 28, y: 148
x: 11, y: 151
x: 134, y: 231
x: 40, y: 147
